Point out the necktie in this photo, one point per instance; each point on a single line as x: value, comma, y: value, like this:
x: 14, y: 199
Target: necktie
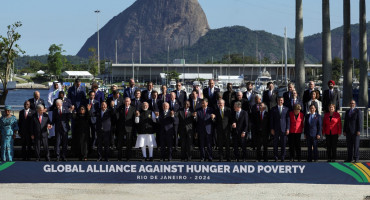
x: 237, y: 115
x: 91, y: 102
x: 60, y: 112
x: 330, y: 94
x: 311, y: 118
x: 195, y: 104
x: 40, y: 118
x: 222, y: 113
x: 204, y: 112
x: 261, y: 116
x: 178, y: 94
x: 25, y: 114
x: 149, y: 95
x: 126, y: 112
x: 280, y: 109
x: 186, y: 113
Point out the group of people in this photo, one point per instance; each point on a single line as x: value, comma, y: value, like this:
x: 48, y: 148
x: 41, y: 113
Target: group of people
x: 206, y: 118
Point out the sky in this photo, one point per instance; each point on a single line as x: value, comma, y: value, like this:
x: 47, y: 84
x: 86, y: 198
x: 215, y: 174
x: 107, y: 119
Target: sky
x: 71, y: 22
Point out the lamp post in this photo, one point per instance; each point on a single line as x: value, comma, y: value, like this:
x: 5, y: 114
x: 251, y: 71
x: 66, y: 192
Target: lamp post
x: 97, y: 22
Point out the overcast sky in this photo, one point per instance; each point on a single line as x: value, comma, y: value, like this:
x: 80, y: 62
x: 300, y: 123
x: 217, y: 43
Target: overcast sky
x: 70, y: 23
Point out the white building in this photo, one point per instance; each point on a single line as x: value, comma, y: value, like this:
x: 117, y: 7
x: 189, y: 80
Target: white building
x: 77, y: 74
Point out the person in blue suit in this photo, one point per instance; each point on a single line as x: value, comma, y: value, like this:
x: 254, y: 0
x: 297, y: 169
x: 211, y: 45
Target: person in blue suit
x: 205, y: 118
x: 352, y: 127
x: 77, y: 94
x: 61, y: 119
x: 279, y: 124
x: 130, y: 91
x: 312, y: 132
x: 8, y: 128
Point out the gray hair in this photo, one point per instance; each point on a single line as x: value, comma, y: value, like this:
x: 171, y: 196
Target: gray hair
x: 258, y: 96
x: 59, y: 101
x: 221, y: 101
x: 238, y: 104
x: 40, y: 106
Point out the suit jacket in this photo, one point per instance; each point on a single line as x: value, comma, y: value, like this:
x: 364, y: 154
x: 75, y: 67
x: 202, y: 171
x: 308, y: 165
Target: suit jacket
x: 155, y: 104
x: 174, y: 107
x: 326, y: 100
x: 290, y: 104
x: 24, y: 123
x: 312, y: 128
x: 307, y: 96
x: 262, y: 127
x: 317, y: 104
x: 40, y: 130
x: 212, y: 101
x: 270, y: 101
x: 126, y: 122
x: 136, y: 104
x: 186, y: 123
x: 33, y: 105
x: 198, y: 105
x: 241, y: 122
x: 76, y: 97
x: 296, y: 124
x: 223, y: 125
x: 165, y: 98
x: 95, y: 107
x: 120, y: 101
x: 129, y: 92
x: 99, y: 96
x: 61, y: 121
x: 244, y: 102
x: 181, y: 98
x: 229, y: 97
x: 279, y: 122
x: 104, y: 123
x: 352, y: 122
x: 204, y: 122
x: 287, y: 96
x: 252, y: 100
x: 167, y: 123
x: 145, y: 95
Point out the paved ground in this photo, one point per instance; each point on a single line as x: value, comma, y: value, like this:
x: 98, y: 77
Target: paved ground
x: 183, y: 191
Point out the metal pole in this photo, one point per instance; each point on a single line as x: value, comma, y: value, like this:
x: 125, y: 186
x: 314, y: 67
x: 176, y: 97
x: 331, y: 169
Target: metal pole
x: 140, y: 48
x: 286, y: 56
x: 168, y: 60
x: 116, y: 53
x: 97, y: 22
x: 133, y: 67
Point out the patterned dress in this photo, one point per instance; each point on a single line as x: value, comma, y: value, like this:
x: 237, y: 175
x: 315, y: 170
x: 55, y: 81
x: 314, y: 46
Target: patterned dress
x: 7, y: 127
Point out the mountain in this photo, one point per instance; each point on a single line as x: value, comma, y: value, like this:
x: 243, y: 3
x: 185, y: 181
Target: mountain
x: 159, y: 23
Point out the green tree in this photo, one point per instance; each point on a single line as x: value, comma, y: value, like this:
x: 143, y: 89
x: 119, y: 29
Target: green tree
x: 55, y: 59
x: 173, y: 75
x: 93, y: 62
x: 9, y: 50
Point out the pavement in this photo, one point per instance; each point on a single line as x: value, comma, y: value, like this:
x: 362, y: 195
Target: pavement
x: 183, y: 191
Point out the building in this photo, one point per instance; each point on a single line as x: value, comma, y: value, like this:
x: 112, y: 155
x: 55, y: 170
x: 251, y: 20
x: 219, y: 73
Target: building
x: 77, y: 74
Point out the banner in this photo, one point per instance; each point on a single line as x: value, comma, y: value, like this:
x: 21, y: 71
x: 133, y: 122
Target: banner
x: 180, y: 172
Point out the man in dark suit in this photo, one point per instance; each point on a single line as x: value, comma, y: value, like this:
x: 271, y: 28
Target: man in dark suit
x: 312, y: 131
x: 229, y: 96
x: 104, y: 118
x: 270, y: 96
x: 293, y: 100
x: 99, y: 95
x: 136, y: 102
x: 36, y: 100
x: 262, y: 132
x: 181, y: 95
x: 174, y: 106
x: 239, y: 130
x: 195, y: 104
x: 25, y: 131
x: 39, y: 126
x: 279, y: 124
x: 330, y: 96
x: 307, y: 93
x: 204, y: 118
x: 126, y: 126
x: 352, y: 127
x: 186, y: 129
x: 155, y: 104
x: 130, y: 91
x: 77, y: 94
x: 94, y: 106
x: 167, y: 119
x: 250, y: 96
x: 211, y: 93
x: 223, y: 129
x: 288, y: 94
x: 114, y: 103
x: 66, y: 102
x: 61, y: 119
x: 147, y: 94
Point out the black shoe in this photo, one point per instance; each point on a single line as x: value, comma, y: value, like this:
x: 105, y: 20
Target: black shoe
x: 64, y: 160
x: 265, y: 160
x: 219, y: 160
x: 348, y: 160
x: 228, y: 160
x: 315, y: 160
x: 210, y: 160
x: 47, y: 159
x: 201, y: 160
x: 106, y: 160
x: 143, y: 159
x: 291, y: 160
x: 356, y: 161
x: 276, y: 159
x: 37, y: 160
x: 57, y: 160
x: 282, y: 160
x: 151, y: 159
x: 99, y: 159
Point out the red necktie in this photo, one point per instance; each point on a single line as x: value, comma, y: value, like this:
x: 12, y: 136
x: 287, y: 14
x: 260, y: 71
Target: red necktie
x: 204, y: 112
x: 186, y: 113
x: 60, y: 112
x: 40, y: 118
x: 261, y: 116
x: 126, y: 112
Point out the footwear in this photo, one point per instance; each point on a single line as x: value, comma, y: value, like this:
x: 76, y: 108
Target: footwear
x: 201, y: 160
x: 57, y: 160
x: 315, y: 160
x: 99, y: 159
x: 37, y: 160
x: 143, y: 159
x: 151, y: 159
x: 64, y: 160
x: 276, y: 159
x: 48, y: 159
x: 265, y: 160
x: 228, y: 160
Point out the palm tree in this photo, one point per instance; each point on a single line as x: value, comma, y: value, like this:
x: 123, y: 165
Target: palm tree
x: 326, y: 44
x: 299, y: 49
x: 363, y: 98
x: 347, y: 53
